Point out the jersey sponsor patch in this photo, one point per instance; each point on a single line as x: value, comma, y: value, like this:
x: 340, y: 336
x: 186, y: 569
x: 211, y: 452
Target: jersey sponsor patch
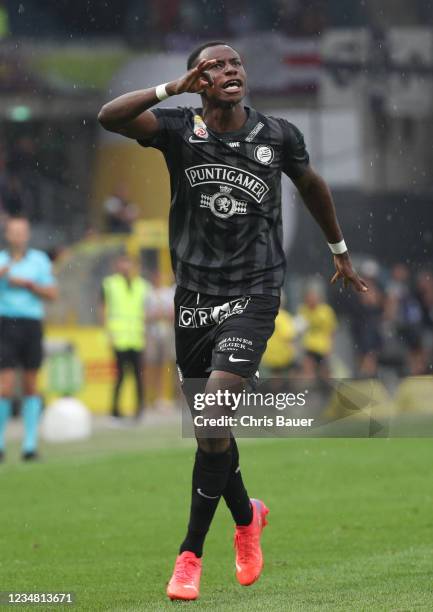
x: 256, y: 129
x: 212, y: 315
x: 247, y: 182
x: 200, y: 128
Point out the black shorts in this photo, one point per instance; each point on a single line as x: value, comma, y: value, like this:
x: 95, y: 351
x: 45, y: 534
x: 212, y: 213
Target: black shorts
x: 20, y: 343
x: 222, y: 333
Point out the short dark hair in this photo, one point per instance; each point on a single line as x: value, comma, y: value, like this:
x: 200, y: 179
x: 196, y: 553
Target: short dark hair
x: 196, y: 52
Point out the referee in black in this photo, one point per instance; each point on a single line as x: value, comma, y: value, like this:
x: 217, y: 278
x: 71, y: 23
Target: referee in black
x: 225, y: 162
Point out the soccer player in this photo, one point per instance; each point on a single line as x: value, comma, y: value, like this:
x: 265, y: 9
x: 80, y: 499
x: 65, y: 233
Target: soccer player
x: 225, y: 162
x: 26, y: 281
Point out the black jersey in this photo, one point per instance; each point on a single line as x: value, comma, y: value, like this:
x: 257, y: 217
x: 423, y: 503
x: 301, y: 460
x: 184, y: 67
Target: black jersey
x: 225, y: 229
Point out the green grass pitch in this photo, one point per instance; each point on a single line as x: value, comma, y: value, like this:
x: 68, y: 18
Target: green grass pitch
x: 350, y: 528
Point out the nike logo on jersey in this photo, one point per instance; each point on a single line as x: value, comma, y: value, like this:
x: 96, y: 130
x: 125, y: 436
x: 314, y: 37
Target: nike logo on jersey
x: 235, y: 359
x: 200, y: 492
x: 197, y: 140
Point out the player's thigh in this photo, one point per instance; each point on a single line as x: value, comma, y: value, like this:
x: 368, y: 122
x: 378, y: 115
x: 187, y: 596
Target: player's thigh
x: 241, y: 339
x: 193, y: 342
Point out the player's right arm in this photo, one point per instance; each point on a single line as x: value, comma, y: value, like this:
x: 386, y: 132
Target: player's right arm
x: 129, y: 114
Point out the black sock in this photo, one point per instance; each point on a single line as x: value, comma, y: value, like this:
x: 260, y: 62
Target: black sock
x: 235, y: 494
x: 209, y: 479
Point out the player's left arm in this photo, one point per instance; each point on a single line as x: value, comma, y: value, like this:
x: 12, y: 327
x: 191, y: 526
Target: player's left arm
x: 317, y: 197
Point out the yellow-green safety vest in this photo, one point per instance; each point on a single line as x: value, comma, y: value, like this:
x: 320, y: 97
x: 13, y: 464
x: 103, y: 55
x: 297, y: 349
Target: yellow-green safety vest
x: 4, y: 23
x: 125, y: 311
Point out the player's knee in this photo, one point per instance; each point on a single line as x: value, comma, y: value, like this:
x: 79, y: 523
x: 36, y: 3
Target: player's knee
x: 221, y: 381
x: 214, y: 445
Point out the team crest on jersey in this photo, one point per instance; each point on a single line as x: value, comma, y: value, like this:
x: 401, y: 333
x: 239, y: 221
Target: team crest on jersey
x: 223, y: 204
x: 200, y: 128
x: 264, y: 154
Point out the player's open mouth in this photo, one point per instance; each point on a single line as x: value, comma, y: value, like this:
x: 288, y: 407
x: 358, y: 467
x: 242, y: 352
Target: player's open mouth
x: 232, y: 86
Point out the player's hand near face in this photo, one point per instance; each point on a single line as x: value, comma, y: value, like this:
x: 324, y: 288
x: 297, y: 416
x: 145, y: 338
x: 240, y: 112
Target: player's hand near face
x: 3, y: 271
x: 345, y: 271
x: 195, y: 80
x: 129, y: 114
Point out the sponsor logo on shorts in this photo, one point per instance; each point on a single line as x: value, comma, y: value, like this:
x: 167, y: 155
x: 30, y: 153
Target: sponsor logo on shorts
x: 234, y: 359
x: 233, y: 344
x: 212, y: 315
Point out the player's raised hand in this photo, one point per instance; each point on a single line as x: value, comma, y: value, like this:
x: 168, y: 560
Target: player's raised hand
x: 195, y: 80
x: 4, y: 270
x: 345, y: 271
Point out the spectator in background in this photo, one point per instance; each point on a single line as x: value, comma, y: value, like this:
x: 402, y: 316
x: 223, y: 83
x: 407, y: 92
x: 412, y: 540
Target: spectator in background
x: 402, y: 310
x: 4, y: 21
x: 26, y: 281
x: 124, y: 296
x: 313, y: 19
x: 120, y: 213
x: 317, y: 340
x: 365, y: 315
x: 160, y: 336
x: 424, y: 293
x: 280, y: 353
x: 3, y: 179
x: 16, y: 201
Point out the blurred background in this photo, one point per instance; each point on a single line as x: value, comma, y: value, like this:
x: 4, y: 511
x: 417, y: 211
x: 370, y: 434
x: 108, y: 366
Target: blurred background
x: 355, y: 77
